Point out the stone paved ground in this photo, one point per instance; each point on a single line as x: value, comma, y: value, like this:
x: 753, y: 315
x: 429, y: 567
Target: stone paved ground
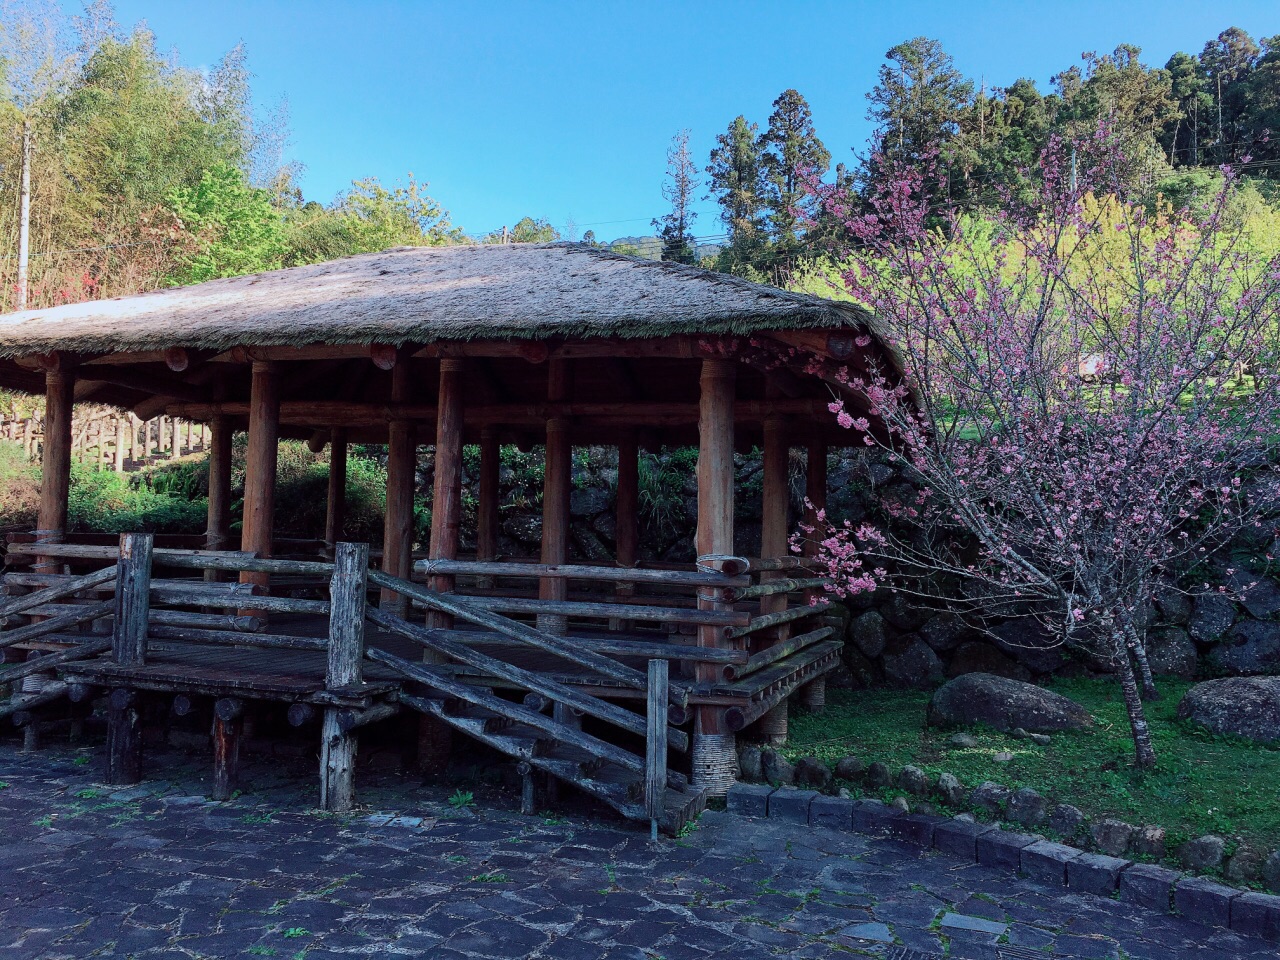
x: 158, y: 872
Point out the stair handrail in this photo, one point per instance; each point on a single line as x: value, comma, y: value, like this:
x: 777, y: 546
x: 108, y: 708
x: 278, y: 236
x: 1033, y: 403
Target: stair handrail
x: 451, y: 604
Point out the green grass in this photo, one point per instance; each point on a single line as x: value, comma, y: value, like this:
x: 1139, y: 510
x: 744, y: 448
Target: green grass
x: 1203, y: 783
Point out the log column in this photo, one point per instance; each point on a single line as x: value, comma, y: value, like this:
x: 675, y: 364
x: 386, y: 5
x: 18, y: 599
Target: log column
x: 555, y: 494
x: 260, y: 466
x: 715, y: 760
x: 627, y: 515
x: 487, y: 512
x: 772, y: 726
x: 434, y: 738
x: 347, y: 594
x: 55, y: 463
x: 335, y: 513
x: 402, y: 468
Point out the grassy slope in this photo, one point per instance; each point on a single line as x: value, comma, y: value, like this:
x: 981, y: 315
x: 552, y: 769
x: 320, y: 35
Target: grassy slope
x: 1203, y: 784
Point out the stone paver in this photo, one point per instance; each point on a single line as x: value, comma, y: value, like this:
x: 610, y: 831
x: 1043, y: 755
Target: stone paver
x: 157, y: 872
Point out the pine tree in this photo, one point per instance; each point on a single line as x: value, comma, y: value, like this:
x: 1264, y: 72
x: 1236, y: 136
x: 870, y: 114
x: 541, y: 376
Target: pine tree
x: 678, y: 189
x: 792, y: 154
x: 736, y: 182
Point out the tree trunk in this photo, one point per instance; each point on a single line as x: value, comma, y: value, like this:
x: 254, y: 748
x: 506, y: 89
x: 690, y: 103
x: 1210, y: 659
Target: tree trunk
x: 1144, y: 752
x: 24, y: 217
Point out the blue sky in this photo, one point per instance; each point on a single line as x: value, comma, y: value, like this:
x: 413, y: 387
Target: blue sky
x: 564, y: 110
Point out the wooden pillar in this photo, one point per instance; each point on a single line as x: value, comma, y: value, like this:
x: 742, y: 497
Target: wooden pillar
x: 335, y: 513
x: 228, y: 730
x: 628, y: 503
x: 402, y: 468
x: 556, y: 486
x: 118, y: 453
x: 218, y: 525
x: 487, y: 511
x: 348, y: 591
x: 434, y: 737
x: 124, y: 738
x: 772, y: 727
x: 715, y: 760
x: 146, y: 439
x: 260, y: 466
x: 55, y: 481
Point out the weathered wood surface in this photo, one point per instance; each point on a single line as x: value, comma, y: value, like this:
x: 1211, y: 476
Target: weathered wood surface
x: 29, y: 701
x: 34, y: 630
x: 348, y: 602
x: 228, y: 730
x: 526, y: 679
x: 124, y: 738
x: 431, y: 676
x: 526, y: 635
x: 91, y: 648
x: 55, y: 472
x: 577, y: 571
x: 775, y: 587
x: 133, y: 600
x: 772, y: 654
x: 655, y: 767
x: 774, y: 619
x: 66, y: 586
x: 260, y: 467
x: 269, y: 641
x: 605, y: 610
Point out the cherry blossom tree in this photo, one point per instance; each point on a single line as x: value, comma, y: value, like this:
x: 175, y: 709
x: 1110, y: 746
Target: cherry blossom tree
x: 1086, y: 401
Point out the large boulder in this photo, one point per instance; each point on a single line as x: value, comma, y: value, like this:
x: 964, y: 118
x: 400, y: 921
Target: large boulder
x: 942, y: 632
x: 1211, y: 616
x: 869, y: 633
x: 1005, y: 705
x: 1028, y: 642
x: 1252, y: 646
x: 1171, y: 653
x: 1258, y: 595
x: 1248, y: 707
x: 909, y: 662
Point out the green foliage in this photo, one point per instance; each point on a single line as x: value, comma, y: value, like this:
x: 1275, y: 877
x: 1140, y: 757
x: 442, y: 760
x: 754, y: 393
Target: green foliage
x: 107, y: 502
x: 367, y: 218
x: 1205, y: 783
x: 663, y: 484
x: 462, y: 799
x: 236, y: 228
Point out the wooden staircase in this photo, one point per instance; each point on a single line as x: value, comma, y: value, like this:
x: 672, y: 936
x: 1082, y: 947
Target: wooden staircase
x: 640, y: 787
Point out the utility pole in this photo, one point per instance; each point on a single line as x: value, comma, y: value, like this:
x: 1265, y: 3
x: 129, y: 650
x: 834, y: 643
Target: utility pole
x: 1075, y: 181
x: 504, y: 235
x: 982, y: 113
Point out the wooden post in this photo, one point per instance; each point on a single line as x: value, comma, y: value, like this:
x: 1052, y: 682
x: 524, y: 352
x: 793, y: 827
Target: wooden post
x: 228, y: 730
x: 655, y: 762
x: 402, y: 464
x: 118, y: 459
x: 434, y: 736
x: 133, y: 599
x: 557, y: 482
x: 162, y: 435
x: 146, y: 439
x: 55, y: 482
x: 218, y: 525
x: 348, y: 592
x: 260, y: 466
x: 628, y: 504
x: 124, y: 738
x: 487, y: 511
x: 772, y: 727
x: 335, y: 512
x: 715, y: 760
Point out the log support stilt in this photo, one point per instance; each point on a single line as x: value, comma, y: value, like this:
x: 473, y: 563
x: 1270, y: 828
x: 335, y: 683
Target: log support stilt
x: 124, y: 738
x: 228, y: 731
x: 347, y: 599
x: 714, y: 751
x: 775, y: 496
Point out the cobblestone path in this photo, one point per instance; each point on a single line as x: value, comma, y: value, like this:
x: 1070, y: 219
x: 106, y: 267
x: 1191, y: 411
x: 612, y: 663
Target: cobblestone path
x: 156, y: 871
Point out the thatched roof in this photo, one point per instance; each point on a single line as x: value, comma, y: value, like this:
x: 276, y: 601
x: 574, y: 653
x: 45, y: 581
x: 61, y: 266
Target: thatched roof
x: 425, y: 294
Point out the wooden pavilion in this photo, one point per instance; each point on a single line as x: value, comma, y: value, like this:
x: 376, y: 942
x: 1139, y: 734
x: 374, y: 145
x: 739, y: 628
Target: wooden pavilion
x: 555, y: 345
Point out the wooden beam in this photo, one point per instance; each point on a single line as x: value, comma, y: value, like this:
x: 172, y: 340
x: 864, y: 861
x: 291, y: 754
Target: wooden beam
x: 714, y: 751
x: 335, y: 513
x: 55, y: 462
x: 347, y: 591
x: 260, y: 467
